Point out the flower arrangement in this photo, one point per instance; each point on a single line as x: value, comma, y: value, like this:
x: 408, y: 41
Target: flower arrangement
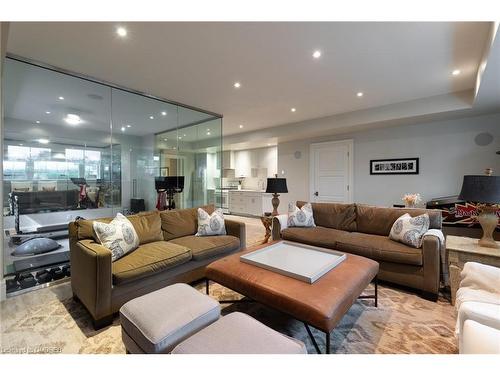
x: 411, y: 200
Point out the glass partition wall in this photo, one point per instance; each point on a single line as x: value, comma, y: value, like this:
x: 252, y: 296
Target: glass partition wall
x: 74, y: 147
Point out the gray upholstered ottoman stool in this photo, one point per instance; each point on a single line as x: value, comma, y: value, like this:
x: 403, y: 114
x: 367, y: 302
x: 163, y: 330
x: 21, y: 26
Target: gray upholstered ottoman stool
x: 239, y: 333
x: 158, y: 321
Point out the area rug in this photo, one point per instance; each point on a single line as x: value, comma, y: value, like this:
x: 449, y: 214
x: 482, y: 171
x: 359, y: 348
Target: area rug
x: 50, y: 321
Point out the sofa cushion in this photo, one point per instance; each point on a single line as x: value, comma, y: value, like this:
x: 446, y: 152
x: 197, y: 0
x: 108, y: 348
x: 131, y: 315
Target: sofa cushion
x: 379, y: 220
x: 206, y: 247
x: 119, y: 236
x: 149, y: 259
x: 181, y: 223
x: 379, y: 248
x: 148, y: 226
x: 333, y: 215
x: 316, y: 236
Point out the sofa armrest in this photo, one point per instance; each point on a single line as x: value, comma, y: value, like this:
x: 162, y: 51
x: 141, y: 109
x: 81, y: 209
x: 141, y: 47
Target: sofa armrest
x: 91, y: 276
x: 431, y: 254
x: 237, y: 229
x: 279, y: 223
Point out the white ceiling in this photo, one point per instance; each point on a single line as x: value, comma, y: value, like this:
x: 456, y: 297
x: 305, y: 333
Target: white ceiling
x: 197, y: 63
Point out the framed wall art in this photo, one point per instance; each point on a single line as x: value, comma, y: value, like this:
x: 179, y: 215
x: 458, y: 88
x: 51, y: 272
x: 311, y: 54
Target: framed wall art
x: 394, y: 166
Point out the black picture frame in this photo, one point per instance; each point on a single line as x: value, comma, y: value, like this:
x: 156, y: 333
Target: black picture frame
x: 394, y: 166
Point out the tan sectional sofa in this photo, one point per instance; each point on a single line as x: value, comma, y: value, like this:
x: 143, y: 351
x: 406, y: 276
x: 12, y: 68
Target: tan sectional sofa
x: 169, y: 252
x: 364, y: 230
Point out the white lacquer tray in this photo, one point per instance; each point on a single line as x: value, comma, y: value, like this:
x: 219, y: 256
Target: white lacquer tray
x: 300, y: 261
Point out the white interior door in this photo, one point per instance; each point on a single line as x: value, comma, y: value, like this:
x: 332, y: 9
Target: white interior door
x: 331, y: 172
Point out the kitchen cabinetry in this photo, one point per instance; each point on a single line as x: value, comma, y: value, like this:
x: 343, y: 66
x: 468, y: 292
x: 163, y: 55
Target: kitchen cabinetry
x: 249, y: 202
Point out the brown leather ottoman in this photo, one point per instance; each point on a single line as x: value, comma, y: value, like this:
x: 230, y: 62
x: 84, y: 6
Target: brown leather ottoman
x: 321, y: 304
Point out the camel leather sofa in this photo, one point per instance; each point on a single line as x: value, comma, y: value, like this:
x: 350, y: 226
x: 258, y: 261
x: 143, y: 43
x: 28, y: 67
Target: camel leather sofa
x: 364, y: 230
x: 168, y: 253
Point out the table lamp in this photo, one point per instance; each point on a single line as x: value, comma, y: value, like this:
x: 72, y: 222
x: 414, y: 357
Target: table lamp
x: 485, y: 191
x: 275, y: 186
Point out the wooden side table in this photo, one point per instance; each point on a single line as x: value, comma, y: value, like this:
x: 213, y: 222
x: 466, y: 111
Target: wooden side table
x: 267, y: 221
x: 461, y: 250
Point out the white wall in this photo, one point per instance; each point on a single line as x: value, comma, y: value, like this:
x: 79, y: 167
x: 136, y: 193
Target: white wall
x: 447, y: 151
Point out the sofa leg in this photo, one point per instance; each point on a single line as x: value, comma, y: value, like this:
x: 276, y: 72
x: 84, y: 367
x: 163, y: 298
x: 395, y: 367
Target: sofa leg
x: 429, y: 296
x: 103, y: 322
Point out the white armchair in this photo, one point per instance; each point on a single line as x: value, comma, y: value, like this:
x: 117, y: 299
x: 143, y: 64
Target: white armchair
x: 478, y: 306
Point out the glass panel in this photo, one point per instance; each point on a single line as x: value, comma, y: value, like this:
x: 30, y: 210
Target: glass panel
x: 73, y: 147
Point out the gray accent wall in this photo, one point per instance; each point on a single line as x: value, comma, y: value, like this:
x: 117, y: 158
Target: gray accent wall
x: 447, y: 151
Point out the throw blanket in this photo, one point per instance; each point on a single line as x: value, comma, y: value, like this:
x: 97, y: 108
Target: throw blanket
x: 442, y: 253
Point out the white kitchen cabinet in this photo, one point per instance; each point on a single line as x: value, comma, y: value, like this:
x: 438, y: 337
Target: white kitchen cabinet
x: 253, y: 203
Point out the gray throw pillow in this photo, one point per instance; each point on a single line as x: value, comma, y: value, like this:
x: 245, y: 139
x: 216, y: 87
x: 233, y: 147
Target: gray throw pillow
x: 302, y: 217
x: 210, y: 225
x: 119, y: 236
x: 410, y: 230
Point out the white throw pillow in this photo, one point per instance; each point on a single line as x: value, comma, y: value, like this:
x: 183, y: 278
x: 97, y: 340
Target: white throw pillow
x: 119, y: 236
x: 410, y: 230
x: 211, y: 225
x: 302, y: 217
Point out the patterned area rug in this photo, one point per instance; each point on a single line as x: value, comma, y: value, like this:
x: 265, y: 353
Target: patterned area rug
x: 49, y: 321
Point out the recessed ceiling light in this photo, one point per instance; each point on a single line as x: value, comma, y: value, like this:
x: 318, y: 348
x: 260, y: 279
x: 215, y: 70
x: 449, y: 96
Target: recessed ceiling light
x: 208, y: 133
x: 165, y: 139
x: 241, y: 126
x: 180, y: 137
x: 121, y: 31
x: 237, y: 85
x: 151, y: 117
x: 184, y: 135
x: 20, y: 144
x: 293, y: 109
x: 43, y: 141
x: 61, y: 98
x: 72, y: 119
x: 129, y: 126
x: 164, y: 113
x: 123, y: 128
x: 269, y: 144
x: 359, y: 94
x: 47, y: 112
x: 37, y: 121
x: 317, y: 54
x: 456, y: 72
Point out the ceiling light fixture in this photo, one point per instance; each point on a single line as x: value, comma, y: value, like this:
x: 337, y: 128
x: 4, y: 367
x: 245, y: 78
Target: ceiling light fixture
x: 165, y: 139
x: 129, y: 126
x: 293, y: 109
x: 37, y: 121
x: 208, y: 133
x: 20, y: 144
x: 359, y: 94
x: 456, y: 72
x: 317, y: 54
x: 151, y: 117
x: 241, y: 126
x: 121, y: 31
x: 237, y: 85
x: 61, y: 98
x: 72, y: 119
x: 47, y: 112
x: 164, y: 113
x: 43, y: 141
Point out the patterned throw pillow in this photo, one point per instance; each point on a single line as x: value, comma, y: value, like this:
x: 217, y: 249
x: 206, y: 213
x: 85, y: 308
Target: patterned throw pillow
x: 211, y: 225
x: 119, y: 236
x: 410, y: 230
x: 302, y: 217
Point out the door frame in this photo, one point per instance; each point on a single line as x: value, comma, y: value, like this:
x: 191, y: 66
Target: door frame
x: 350, y: 148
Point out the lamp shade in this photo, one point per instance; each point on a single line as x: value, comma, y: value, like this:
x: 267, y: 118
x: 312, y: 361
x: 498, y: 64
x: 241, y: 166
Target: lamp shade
x: 481, y: 189
x: 276, y: 185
